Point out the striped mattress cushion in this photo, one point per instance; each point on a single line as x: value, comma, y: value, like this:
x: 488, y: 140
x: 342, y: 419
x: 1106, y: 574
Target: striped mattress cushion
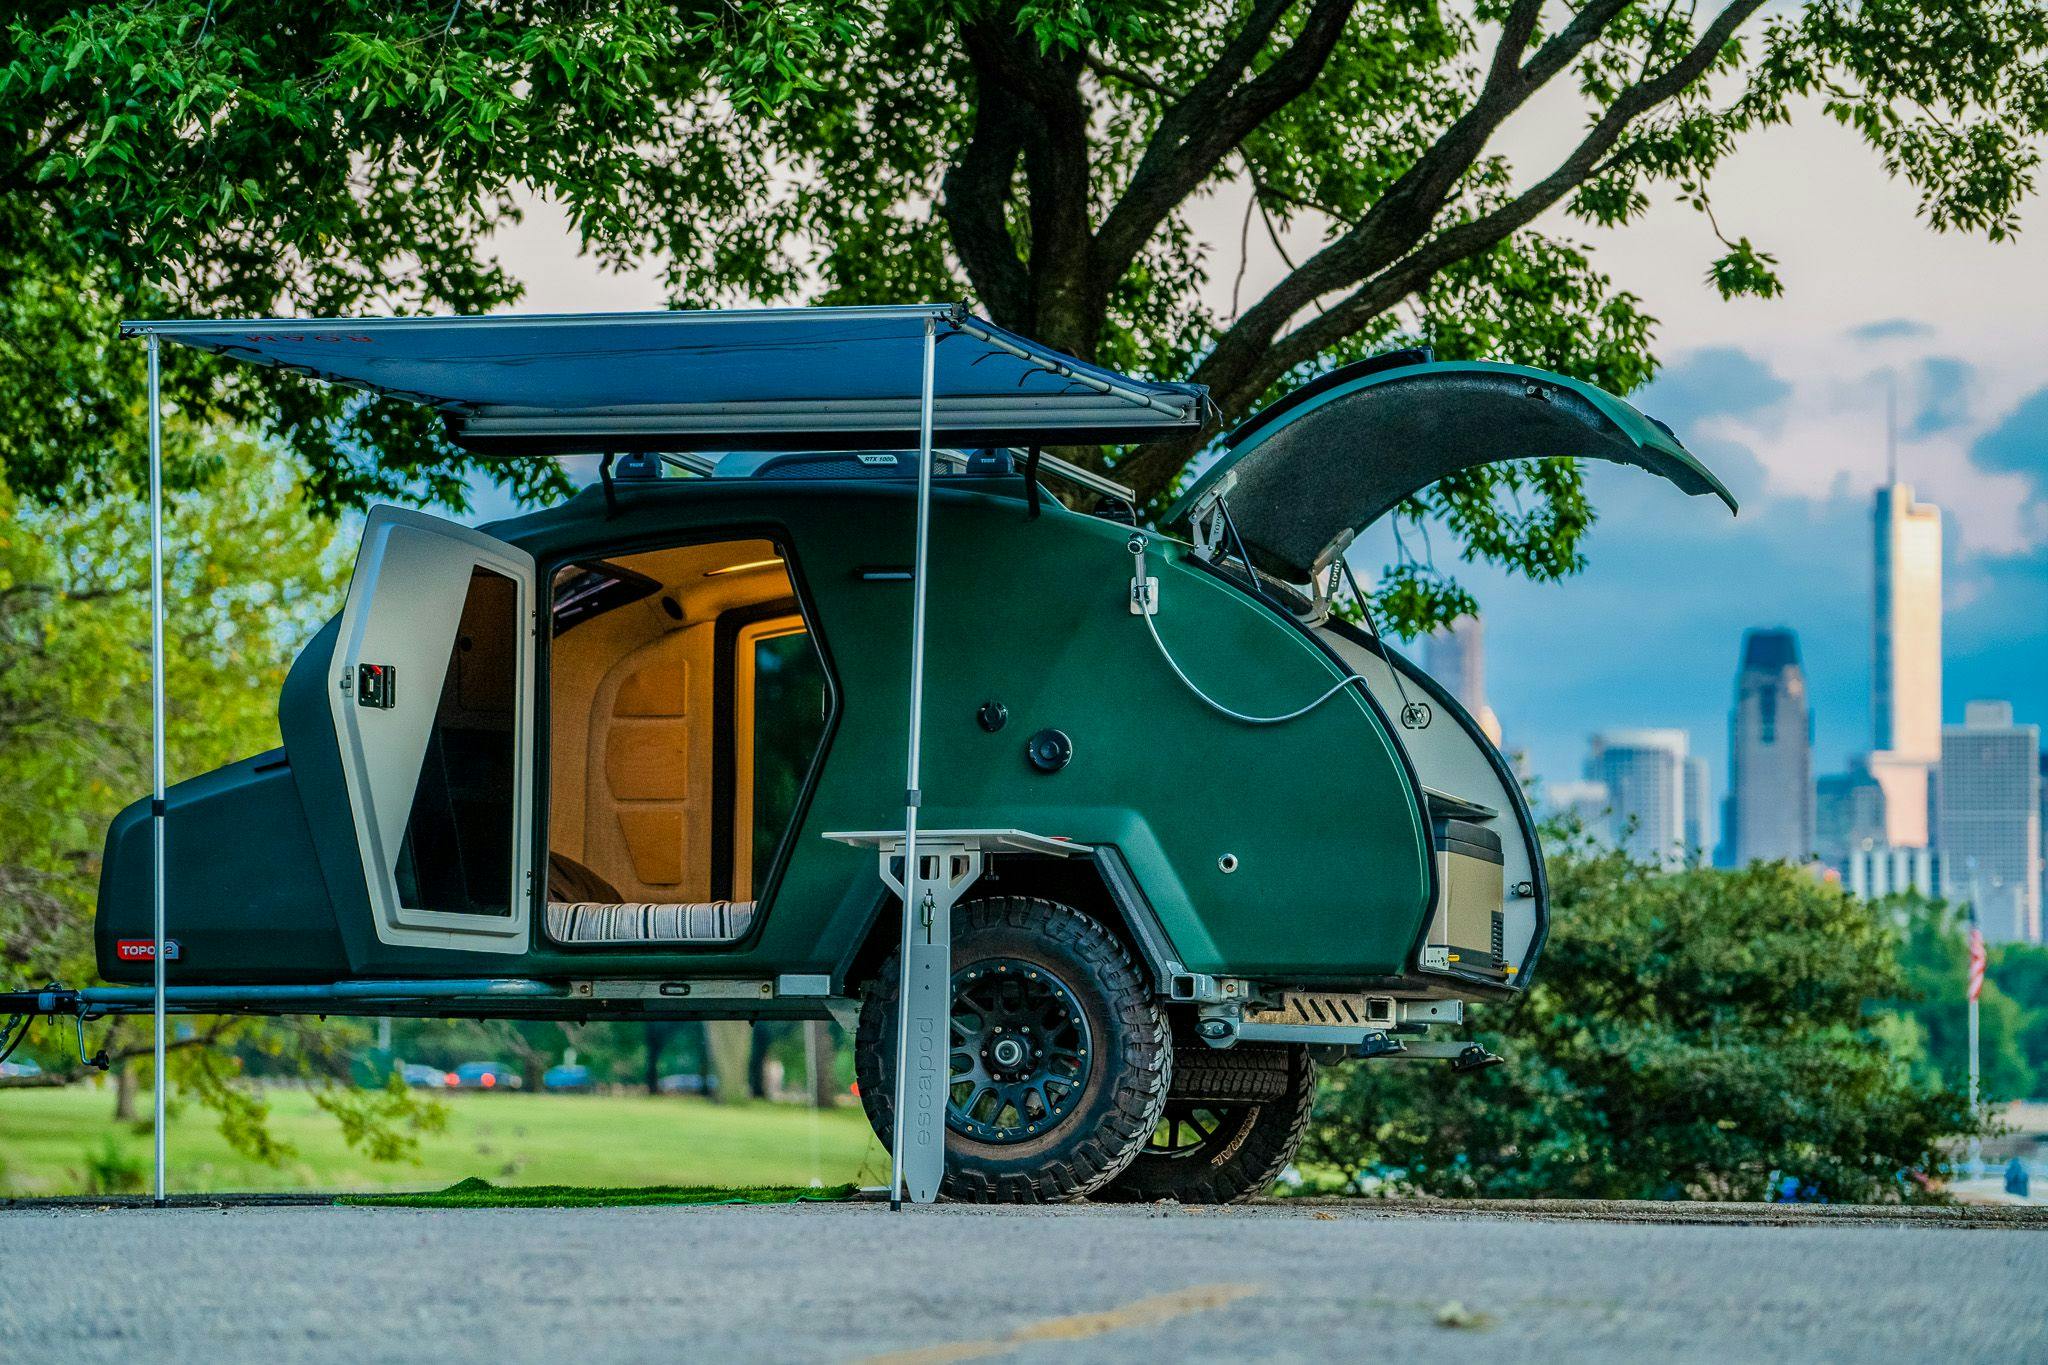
x: 643, y: 922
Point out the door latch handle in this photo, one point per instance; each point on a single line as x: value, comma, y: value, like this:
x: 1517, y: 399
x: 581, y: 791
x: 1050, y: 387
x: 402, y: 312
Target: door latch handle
x: 376, y: 686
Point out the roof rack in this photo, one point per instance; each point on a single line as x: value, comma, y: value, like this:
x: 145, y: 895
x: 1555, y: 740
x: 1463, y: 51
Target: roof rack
x: 839, y: 464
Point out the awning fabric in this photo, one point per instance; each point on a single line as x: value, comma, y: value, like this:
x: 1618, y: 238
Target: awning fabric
x: 756, y: 379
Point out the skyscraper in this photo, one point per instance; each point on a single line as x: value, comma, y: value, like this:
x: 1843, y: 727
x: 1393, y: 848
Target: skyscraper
x: 1905, y: 696
x: 1848, y: 815
x: 1455, y: 656
x: 1698, y: 836
x: 1770, y: 753
x: 1586, y: 803
x: 1644, y: 772
x: 1990, y: 832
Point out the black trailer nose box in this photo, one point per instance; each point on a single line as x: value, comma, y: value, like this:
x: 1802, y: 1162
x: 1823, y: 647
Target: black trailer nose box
x: 1466, y: 933
x: 246, y: 901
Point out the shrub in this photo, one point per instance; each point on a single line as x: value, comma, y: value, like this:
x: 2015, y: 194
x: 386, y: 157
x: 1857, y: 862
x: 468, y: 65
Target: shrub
x: 1689, y: 1035
x: 110, y: 1169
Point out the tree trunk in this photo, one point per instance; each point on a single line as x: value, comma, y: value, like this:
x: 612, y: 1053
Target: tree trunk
x: 124, y: 1092
x: 757, y: 1063
x: 657, y: 1038
x: 727, y: 1043
x: 824, y: 1056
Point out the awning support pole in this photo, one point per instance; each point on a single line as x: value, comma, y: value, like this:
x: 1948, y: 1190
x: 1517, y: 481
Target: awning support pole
x: 920, y: 1119
x: 156, y: 743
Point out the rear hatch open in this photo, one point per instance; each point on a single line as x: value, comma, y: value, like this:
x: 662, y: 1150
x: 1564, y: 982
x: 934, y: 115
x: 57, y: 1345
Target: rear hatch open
x: 1300, y: 480
x: 1309, y: 473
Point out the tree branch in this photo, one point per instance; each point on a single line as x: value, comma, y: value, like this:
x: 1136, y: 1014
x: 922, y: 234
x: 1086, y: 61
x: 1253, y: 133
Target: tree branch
x: 1402, y: 215
x: 1515, y: 32
x: 1481, y: 234
x: 1387, y: 248
x: 1056, y: 167
x: 1130, y: 76
x: 1204, y: 126
x: 974, y: 199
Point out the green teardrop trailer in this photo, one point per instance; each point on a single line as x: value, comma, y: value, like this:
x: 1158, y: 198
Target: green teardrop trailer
x: 641, y: 755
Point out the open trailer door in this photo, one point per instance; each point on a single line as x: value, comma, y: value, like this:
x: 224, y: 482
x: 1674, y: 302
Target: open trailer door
x: 1306, y: 475
x: 433, y: 711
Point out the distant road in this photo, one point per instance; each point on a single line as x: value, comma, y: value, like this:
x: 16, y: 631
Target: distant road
x: 844, y: 1283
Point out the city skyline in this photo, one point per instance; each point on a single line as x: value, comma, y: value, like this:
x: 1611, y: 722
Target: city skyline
x: 1961, y: 817
x: 1670, y: 623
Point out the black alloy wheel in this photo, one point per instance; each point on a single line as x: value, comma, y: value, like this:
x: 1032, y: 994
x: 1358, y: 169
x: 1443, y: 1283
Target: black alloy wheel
x: 1060, y: 1055
x: 1020, y: 1050
x: 1233, y: 1121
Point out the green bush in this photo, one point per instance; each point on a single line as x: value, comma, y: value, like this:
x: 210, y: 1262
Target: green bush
x: 1689, y: 1035
x: 110, y: 1169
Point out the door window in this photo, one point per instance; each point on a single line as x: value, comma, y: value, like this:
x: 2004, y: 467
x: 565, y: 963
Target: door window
x: 457, y: 852
x: 779, y: 715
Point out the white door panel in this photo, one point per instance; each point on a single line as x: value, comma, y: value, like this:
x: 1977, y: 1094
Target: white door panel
x: 405, y: 607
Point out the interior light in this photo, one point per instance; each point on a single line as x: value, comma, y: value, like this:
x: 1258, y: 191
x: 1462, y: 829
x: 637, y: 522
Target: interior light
x: 742, y: 568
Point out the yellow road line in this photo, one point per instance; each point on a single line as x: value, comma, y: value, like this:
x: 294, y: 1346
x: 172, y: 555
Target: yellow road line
x: 1077, y: 1326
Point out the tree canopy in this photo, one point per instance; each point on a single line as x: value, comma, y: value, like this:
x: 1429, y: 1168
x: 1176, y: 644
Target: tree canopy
x: 225, y: 156
x: 1691, y: 1036
x: 253, y: 576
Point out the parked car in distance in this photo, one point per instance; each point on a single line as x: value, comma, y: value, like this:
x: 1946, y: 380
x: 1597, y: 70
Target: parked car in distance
x: 685, y: 1083
x: 486, y: 1076
x: 567, y: 1076
x: 21, y: 1070
x: 419, y: 1076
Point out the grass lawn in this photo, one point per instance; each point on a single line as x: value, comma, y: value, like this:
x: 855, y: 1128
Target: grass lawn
x: 49, y: 1139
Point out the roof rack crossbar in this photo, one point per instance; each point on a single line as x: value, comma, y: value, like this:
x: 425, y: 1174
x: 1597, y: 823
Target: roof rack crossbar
x: 1086, y: 478
x: 690, y: 462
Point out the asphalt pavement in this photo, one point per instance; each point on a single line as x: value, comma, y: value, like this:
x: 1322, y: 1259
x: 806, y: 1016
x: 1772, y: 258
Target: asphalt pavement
x: 854, y: 1282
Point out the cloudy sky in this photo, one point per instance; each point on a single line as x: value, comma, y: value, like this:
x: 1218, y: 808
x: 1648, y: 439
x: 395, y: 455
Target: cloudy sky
x: 1785, y: 400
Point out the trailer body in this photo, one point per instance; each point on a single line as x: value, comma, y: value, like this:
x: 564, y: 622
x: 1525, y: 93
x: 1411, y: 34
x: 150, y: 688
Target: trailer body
x: 610, y: 759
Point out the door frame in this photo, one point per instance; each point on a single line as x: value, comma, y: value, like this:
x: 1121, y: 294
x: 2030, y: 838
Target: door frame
x: 744, y: 625
x: 783, y: 538
x: 461, y: 549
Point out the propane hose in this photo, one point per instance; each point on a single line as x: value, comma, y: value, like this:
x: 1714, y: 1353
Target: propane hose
x: 1144, y: 601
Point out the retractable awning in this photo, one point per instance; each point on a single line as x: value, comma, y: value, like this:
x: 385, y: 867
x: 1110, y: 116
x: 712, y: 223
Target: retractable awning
x: 759, y: 379
x: 766, y: 379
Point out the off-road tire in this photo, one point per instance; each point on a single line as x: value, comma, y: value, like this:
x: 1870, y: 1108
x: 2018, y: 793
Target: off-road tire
x: 1120, y: 1103
x: 1259, y: 1096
